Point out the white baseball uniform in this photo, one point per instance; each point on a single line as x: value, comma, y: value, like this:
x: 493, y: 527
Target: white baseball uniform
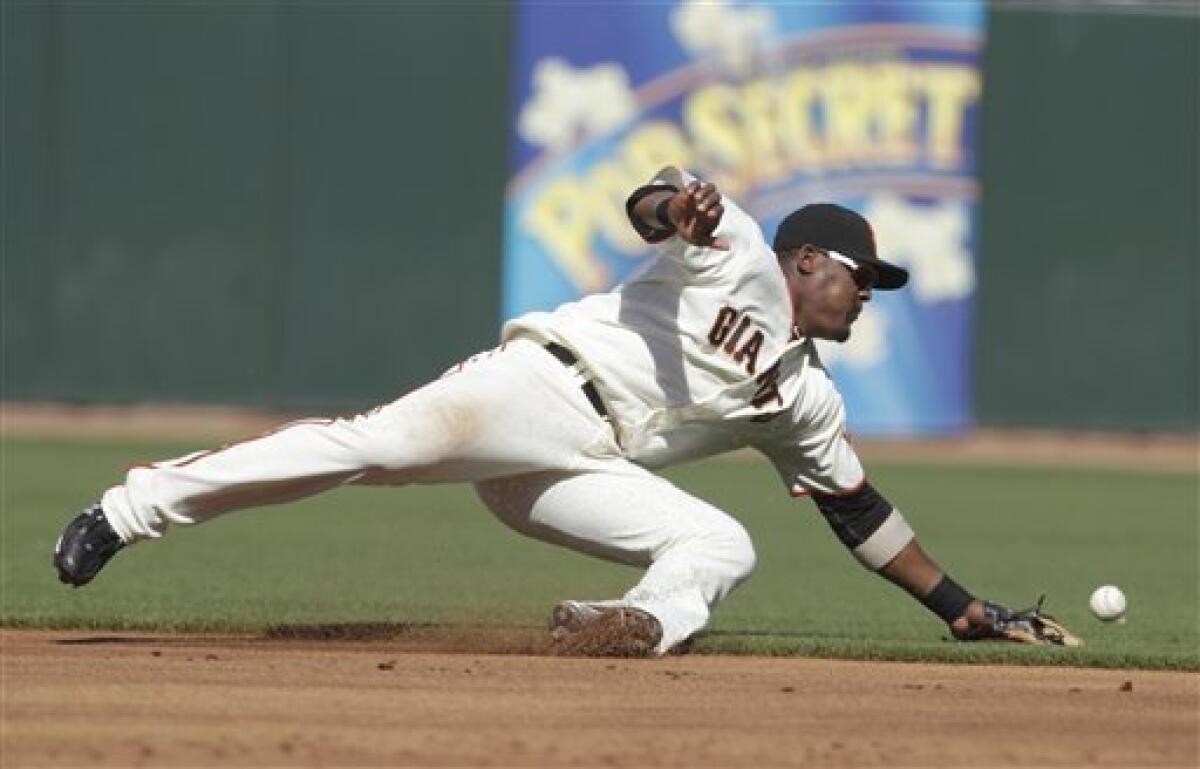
x: 694, y: 356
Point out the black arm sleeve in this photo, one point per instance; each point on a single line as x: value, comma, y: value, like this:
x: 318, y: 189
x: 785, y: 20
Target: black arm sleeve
x: 855, y: 516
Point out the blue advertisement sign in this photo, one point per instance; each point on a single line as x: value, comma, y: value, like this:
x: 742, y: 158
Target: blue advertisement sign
x: 868, y: 104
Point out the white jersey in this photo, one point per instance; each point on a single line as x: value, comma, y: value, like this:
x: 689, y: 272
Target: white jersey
x: 697, y: 355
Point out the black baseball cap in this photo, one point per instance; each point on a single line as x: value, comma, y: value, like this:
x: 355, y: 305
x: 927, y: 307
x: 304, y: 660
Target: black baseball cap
x: 834, y: 228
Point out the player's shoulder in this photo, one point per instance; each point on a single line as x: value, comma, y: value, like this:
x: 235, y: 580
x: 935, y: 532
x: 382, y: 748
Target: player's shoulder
x: 737, y: 222
x: 746, y: 253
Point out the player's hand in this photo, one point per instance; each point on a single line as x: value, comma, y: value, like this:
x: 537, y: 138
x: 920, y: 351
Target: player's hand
x: 986, y: 620
x: 696, y: 211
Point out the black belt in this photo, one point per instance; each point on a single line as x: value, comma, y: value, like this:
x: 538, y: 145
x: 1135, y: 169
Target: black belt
x: 569, y: 359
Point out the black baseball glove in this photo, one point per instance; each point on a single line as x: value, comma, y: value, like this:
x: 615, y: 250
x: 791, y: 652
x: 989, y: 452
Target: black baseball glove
x: 1028, y: 626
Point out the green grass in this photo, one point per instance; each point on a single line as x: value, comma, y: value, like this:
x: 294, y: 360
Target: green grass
x: 434, y: 555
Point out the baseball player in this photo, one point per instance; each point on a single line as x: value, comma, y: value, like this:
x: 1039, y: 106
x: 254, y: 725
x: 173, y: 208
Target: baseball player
x: 709, y: 348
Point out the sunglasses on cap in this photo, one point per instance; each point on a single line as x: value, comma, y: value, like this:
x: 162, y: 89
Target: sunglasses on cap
x: 865, y: 276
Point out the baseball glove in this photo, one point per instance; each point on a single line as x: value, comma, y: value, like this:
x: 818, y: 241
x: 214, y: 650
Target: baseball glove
x: 1028, y: 626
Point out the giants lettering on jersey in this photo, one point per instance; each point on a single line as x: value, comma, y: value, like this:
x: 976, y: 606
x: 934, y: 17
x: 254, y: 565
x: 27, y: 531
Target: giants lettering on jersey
x: 727, y: 333
x: 768, y: 388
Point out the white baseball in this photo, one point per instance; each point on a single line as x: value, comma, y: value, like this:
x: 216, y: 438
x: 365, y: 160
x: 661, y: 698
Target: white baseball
x: 1108, y: 603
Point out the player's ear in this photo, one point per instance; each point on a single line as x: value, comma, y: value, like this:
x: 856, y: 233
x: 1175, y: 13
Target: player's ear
x: 804, y: 259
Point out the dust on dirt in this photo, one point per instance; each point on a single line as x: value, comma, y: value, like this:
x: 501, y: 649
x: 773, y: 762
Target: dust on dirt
x: 617, y: 632
x: 74, y: 698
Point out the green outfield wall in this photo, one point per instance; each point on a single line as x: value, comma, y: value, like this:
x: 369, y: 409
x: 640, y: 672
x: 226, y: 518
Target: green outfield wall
x: 1087, y: 310
x: 263, y: 203
x: 298, y: 206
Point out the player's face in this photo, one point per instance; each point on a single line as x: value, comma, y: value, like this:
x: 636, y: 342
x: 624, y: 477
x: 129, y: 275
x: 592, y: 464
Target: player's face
x: 827, y: 294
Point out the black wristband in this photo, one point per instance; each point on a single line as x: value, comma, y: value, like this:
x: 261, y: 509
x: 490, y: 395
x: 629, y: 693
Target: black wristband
x: 948, y: 600
x: 660, y: 214
x: 651, y: 232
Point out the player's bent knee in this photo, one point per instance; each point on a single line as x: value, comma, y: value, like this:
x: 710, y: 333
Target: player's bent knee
x: 743, y: 558
x: 731, y: 552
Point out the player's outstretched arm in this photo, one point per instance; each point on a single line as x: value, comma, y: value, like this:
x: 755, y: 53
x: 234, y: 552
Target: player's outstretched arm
x: 924, y: 580
x: 978, y: 620
x: 882, y: 541
x: 669, y: 206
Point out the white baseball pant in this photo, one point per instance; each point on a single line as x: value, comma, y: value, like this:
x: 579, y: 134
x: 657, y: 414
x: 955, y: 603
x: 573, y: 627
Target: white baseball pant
x: 514, y: 421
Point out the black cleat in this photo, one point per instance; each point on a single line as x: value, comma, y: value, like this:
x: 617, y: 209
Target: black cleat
x: 85, y: 546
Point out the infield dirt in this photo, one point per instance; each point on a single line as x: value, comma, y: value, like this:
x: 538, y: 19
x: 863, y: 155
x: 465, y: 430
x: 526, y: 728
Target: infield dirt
x: 74, y: 698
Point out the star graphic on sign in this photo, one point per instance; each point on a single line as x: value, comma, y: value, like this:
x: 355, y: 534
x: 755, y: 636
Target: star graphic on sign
x: 930, y: 240
x: 728, y: 33
x: 570, y: 105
